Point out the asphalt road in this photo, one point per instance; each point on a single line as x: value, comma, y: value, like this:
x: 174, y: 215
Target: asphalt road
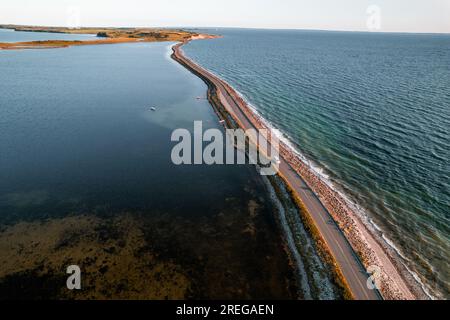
x: 346, y: 258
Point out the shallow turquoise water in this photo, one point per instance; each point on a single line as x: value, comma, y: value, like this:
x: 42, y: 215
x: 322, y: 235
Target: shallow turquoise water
x: 372, y: 113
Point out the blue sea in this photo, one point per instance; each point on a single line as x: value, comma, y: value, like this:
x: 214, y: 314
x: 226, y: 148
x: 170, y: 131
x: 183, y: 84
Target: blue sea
x: 370, y: 111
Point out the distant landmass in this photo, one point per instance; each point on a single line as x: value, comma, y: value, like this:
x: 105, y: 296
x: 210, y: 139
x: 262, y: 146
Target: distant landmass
x: 105, y: 35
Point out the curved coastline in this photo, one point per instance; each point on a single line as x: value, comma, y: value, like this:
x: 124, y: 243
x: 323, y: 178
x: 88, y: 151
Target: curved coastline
x: 365, y: 242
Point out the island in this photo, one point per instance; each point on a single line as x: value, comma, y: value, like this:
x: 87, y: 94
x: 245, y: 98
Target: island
x: 104, y: 36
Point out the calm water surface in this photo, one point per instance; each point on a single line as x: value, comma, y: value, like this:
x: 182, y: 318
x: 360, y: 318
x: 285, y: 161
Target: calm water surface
x: 77, y: 132
x: 78, y: 137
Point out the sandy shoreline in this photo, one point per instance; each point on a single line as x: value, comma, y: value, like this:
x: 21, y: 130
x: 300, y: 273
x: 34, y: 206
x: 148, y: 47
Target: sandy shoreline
x: 394, y: 281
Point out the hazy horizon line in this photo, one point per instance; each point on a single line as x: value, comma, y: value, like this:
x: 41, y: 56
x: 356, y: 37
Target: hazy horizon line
x: 223, y: 27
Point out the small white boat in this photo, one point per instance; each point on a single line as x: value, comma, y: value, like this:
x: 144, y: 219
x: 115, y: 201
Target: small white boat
x: 153, y: 108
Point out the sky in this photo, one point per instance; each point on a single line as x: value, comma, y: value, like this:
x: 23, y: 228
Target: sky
x: 427, y: 16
